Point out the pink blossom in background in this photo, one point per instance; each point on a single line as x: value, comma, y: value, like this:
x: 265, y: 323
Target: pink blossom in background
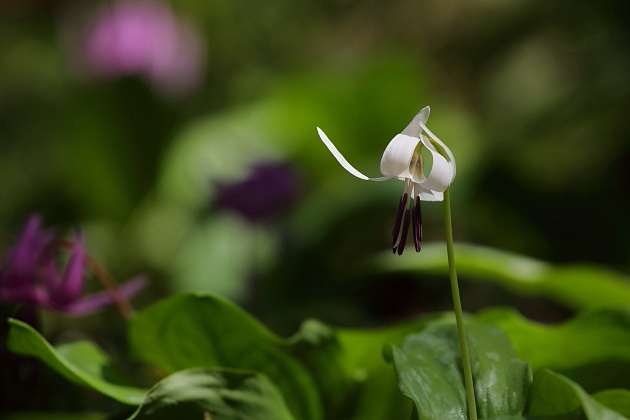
x: 145, y: 38
x: 31, y: 274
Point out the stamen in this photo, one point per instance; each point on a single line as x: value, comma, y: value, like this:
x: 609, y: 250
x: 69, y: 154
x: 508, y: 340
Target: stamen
x: 416, y: 215
x: 403, y: 233
x: 401, y: 210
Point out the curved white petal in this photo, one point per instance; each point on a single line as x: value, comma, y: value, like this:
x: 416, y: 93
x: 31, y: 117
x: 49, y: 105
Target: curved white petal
x: 426, y: 194
x: 451, y: 158
x: 414, y: 128
x: 442, y: 171
x: 398, y: 155
x: 343, y: 160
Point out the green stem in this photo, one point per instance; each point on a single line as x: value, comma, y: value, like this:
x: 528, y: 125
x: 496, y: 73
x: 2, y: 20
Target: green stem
x: 457, y: 303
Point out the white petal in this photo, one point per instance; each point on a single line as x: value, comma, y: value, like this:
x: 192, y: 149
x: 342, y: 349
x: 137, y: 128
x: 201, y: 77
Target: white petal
x: 427, y: 195
x: 442, y: 171
x: 414, y: 128
x: 343, y: 160
x: 451, y: 158
x: 398, y: 155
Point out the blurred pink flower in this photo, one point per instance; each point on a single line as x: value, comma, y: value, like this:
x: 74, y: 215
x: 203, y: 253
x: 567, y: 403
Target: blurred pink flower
x: 145, y: 38
x: 31, y: 274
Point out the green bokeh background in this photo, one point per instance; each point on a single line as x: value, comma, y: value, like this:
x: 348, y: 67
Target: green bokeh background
x: 531, y: 96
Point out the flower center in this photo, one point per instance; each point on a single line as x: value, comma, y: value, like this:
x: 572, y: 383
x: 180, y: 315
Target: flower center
x: 416, y: 166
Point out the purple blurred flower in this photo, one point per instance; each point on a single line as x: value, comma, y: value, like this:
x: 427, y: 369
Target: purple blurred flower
x: 31, y: 274
x: 145, y: 38
x: 268, y: 189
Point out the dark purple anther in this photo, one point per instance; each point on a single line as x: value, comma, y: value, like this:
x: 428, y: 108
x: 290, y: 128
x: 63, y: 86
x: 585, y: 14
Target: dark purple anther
x: 417, y: 224
x: 403, y: 233
x: 401, y: 210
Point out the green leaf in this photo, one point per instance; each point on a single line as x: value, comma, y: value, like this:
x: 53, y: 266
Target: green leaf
x: 552, y: 394
x: 577, y: 286
x: 378, y: 397
x: 591, y: 348
x: 198, y: 330
x: 319, y: 349
x: 616, y: 399
x: 214, y: 394
x: 80, y: 362
x: 429, y: 372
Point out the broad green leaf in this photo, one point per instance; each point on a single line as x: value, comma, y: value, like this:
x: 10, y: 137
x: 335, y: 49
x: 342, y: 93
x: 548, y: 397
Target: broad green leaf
x: 501, y: 378
x: 578, y: 286
x: 616, y: 399
x: 318, y: 348
x: 552, y: 394
x: 429, y: 372
x: 379, y: 397
x: 213, y: 394
x: 198, y: 330
x: 591, y: 348
x: 81, y: 362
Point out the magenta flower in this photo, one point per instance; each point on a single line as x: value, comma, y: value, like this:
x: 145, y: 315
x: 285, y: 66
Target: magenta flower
x: 145, y: 38
x: 32, y: 275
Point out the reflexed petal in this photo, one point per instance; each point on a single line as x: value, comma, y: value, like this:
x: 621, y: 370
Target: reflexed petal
x: 30, y: 245
x: 442, y: 171
x: 71, y: 284
x: 398, y: 155
x: 448, y: 152
x: 23, y: 293
x: 20, y: 269
x: 428, y: 195
x: 97, y: 301
x: 343, y: 160
x: 414, y: 128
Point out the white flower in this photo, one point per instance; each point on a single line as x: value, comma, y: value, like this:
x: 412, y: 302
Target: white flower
x: 403, y: 160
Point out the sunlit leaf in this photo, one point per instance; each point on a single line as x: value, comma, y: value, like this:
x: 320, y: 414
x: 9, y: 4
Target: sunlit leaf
x: 591, y: 348
x: 616, y: 399
x: 428, y: 365
x: 578, y: 285
x: 213, y: 394
x: 363, y: 353
x: 552, y: 394
x: 81, y: 362
x: 193, y: 330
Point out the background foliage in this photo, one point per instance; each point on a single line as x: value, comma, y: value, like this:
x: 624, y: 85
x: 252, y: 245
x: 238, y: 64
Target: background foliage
x: 531, y: 96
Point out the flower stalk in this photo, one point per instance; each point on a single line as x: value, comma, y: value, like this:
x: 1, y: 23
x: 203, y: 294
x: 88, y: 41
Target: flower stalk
x: 457, y: 306
x: 403, y: 160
